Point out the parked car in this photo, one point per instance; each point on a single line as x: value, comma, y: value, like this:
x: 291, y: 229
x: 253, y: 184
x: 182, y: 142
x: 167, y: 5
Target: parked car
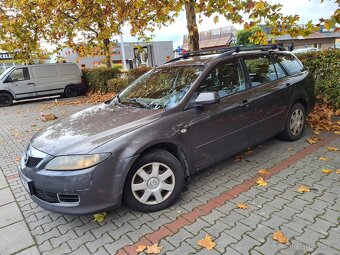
x: 304, y: 50
x: 23, y: 82
x: 173, y: 121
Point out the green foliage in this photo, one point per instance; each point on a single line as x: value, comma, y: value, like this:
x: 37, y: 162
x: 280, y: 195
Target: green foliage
x: 244, y: 35
x: 325, y: 66
x: 96, y: 78
x: 118, y: 84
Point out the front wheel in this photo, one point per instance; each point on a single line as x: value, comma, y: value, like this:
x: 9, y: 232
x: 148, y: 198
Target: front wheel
x: 5, y: 99
x: 295, y: 123
x: 154, y: 182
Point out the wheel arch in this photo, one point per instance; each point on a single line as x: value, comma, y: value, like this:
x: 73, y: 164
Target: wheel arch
x: 8, y: 92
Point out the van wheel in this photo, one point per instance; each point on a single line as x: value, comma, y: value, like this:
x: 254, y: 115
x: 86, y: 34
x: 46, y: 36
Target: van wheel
x: 154, y: 183
x: 71, y: 91
x: 6, y: 99
x: 295, y: 123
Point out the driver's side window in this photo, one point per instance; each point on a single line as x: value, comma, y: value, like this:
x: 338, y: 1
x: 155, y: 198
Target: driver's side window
x: 19, y: 74
x: 225, y: 79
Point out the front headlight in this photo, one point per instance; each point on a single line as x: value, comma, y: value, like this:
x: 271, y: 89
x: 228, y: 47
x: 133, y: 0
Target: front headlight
x: 75, y: 162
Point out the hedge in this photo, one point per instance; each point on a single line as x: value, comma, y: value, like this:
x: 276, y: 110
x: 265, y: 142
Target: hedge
x: 96, y: 78
x: 325, y: 67
x: 118, y: 84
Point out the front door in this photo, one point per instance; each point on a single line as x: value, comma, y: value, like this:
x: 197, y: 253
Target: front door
x: 20, y: 83
x: 224, y: 128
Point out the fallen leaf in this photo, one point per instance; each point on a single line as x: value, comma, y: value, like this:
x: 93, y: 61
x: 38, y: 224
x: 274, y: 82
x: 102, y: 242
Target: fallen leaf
x: 141, y: 248
x: 206, y: 242
x: 323, y: 158
x: 280, y: 237
x: 316, y: 132
x: 333, y: 149
x: 290, y: 148
x: 313, y: 140
x: 238, y: 158
x: 303, y: 188
x: 263, y: 171
x: 248, y: 152
x: 99, y: 217
x: 242, y: 206
x: 153, y: 249
x: 327, y: 171
x: 18, y: 159
x: 33, y: 125
x: 261, y: 182
x: 337, y: 171
x: 337, y: 132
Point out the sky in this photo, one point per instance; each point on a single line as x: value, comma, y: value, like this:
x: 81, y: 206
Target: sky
x: 306, y: 9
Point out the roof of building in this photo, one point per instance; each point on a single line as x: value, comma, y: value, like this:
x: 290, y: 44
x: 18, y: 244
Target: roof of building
x: 218, y: 37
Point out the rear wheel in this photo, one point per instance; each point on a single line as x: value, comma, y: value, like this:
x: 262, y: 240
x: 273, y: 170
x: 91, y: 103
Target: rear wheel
x: 154, y: 182
x: 71, y: 91
x: 6, y: 99
x: 295, y: 123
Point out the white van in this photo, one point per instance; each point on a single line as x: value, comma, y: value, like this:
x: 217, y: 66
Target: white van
x: 22, y: 82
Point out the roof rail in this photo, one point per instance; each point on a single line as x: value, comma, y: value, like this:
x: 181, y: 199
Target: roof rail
x: 227, y: 51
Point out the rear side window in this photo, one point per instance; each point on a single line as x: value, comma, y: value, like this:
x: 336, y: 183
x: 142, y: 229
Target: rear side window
x: 290, y: 63
x: 262, y: 70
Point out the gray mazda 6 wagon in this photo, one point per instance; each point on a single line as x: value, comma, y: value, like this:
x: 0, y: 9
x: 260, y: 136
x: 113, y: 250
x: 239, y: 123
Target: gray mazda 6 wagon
x: 140, y: 147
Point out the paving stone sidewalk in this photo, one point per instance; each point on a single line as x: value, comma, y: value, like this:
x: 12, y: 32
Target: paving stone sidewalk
x: 208, y: 206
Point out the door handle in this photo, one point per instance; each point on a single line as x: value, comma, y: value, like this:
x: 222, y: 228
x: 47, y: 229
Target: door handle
x: 245, y: 103
x: 30, y: 83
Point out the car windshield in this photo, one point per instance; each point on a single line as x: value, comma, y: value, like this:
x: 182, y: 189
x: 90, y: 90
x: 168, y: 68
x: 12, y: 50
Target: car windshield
x: 5, y: 73
x: 161, y: 87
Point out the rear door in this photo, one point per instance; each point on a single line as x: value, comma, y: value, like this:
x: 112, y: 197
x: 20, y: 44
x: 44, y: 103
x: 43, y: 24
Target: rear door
x: 20, y: 82
x: 268, y: 83
x: 224, y: 128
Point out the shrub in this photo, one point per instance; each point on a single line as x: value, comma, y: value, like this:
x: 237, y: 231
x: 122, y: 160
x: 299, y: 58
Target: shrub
x: 96, y: 78
x: 136, y: 72
x: 325, y: 66
x: 117, y: 84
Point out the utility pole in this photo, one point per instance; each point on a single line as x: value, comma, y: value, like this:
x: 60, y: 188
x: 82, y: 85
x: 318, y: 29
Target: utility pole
x: 122, y: 49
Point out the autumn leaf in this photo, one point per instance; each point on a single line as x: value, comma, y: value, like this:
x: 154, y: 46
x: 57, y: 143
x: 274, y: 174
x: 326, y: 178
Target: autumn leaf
x: 242, y: 206
x: 18, y: 159
x: 206, y: 242
x: 280, y: 237
x: 153, y: 249
x: 333, y: 149
x: 323, y: 158
x: 316, y: 132
x: 337, y: 171
x: 312, y: 140
x: 337, y: 132
x: 99, y: 217
x: 141, y: 248
x: 290, y: 148
x: 238, y: 158
x: 327, y: 171
x: 303, y: 188
x: 261, y: 182
x: 263, y: 171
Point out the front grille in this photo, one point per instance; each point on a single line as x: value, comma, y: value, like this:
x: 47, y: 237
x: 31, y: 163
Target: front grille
x: 46, y: 196
x: 32, y: 161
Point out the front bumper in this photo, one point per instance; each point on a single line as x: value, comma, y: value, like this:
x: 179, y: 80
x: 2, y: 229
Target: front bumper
x: 79, y: 192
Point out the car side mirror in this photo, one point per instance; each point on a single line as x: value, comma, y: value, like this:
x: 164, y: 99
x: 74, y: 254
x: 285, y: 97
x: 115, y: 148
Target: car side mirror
x: 206, y: 98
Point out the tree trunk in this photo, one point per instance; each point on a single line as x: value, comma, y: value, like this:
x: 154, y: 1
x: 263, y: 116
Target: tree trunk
x: 107, y: 52
x: 192, y: 25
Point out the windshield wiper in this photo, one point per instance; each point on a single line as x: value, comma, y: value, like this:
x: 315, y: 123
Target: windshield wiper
x: 117, y: 101
x: 136, y: 100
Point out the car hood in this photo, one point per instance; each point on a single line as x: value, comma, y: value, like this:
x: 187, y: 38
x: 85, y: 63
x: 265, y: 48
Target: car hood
x: 84, y: 131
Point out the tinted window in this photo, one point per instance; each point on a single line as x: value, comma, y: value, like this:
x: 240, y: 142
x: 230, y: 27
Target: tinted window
x: 261, y: 70
x: 290, y: 63
x: 226, y: 79
x: 20, y: 74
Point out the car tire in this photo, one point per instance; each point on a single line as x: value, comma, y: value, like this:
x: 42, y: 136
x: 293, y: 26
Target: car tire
x: 154, y: 182
x: 295, y: 123
x: 71, y: 91
x: 6, y: 99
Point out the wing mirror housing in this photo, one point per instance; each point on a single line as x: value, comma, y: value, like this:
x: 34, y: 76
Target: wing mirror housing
x: 206, y: 98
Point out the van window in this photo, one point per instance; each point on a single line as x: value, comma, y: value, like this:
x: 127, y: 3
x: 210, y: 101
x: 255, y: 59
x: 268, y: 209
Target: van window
x: 20, y: 74
x: 290, y: 63
x: 261, y: 70
x: 225, y: 79
x: 45, y: 71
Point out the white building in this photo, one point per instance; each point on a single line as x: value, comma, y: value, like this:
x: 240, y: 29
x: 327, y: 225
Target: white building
x: 136, y: 54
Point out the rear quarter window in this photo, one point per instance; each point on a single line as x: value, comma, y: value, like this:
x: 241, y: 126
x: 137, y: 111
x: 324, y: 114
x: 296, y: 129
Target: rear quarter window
x: 290, y: 63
